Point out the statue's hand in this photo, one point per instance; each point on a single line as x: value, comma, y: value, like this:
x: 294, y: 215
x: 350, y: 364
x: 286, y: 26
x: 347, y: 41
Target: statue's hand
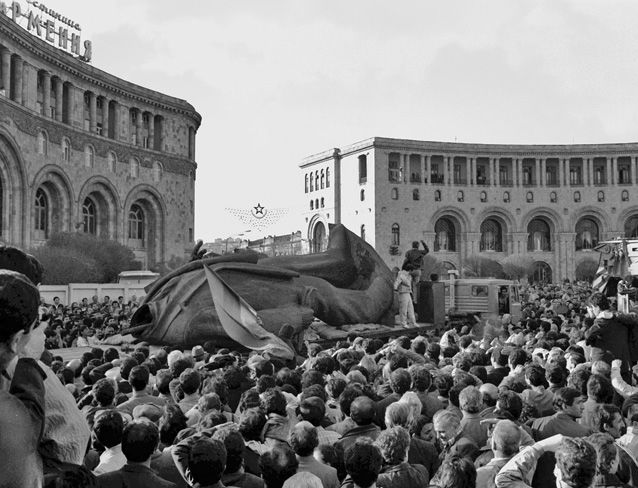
x: 198, y: 252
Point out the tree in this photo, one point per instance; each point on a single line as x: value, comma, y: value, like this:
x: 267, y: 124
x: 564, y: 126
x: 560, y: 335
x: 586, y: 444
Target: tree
x: 106, y: 256
x: 517, y: 267
x: 480, y: 267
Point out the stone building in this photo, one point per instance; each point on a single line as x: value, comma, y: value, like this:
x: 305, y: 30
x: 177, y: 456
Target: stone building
x: 278, y: 245
x: 83, y: 150
x: 552, y: 203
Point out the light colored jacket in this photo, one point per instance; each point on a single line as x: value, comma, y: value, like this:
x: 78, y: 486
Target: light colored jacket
x: 403, y: 283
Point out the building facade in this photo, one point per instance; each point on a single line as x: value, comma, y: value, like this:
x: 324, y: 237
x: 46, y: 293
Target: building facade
x: 551, y: 203
x: 83, y: 150
x: 278, y: 245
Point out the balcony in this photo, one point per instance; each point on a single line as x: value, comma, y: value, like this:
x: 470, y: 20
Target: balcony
x: 482, y: 181
x: 460, y: 181
x: 415, y: 178
x: 506, y: 182
x: 437, y: 179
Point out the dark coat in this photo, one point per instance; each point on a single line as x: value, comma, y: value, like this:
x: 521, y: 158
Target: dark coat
x: 616, y: 334
x: 404, y: 475
x: 133, y: 475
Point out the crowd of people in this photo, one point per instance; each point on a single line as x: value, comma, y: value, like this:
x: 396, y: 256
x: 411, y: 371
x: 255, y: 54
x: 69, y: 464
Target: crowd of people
x: 547, y: 400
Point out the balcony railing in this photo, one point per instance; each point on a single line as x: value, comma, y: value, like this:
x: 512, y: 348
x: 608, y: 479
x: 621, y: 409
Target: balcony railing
x: 437, y: 179
x: 460, y: 181
x: 415, y: 179
x: 506, y: 182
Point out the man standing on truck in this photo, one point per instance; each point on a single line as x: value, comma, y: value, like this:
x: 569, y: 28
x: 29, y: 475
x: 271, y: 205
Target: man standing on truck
x: 403, y: 285
x: 414, y: 258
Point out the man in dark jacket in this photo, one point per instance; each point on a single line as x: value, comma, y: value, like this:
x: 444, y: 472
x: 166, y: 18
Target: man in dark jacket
x: 414, y: 257
x: 612, y: 334
x: 22, y: 406
x: 394, y: 444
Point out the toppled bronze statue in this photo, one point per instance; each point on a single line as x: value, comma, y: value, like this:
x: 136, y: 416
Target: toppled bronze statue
x: 265, y: 303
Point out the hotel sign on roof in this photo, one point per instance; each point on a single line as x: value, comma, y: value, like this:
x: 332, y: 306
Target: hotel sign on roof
x: 46, y: 23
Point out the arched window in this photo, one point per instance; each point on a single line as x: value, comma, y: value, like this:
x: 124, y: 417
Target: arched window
x: 539, y: 236
x: 312, y: 204
x: 625, y: 196
x: 394, y: 194
x: 157, y: 171
x: 460, y: 196
x: 322, y: 204
x: 318, y: 237
x: 631, y: 227
x: 327, y: 177
x: 491, y: 236
x: 437, y: 195
x: 445, y: 235
x: 363, y: 232
x: 363, y: 168
x: 316, y: 180
x: 530, y: 197
x: 89, y: 216
x: 42, y: 143
x: 323, y: 180
x: 506, y: 197
x: 136, y: 223
x: 316, y: 203
x: 415, y: 194
x: 601, y: 196
x: 312, y: 183
x: 111, y: 160
x: 542, y: 273
x: 89, y: 156
x: 134, y: 168
x: 66, y: 150
x: 577, y: 196
x: 362, y: 195
x: 586, y: 234
x: 553, y: 197
x: 483, y: 196
x: 41, y: 212
x: 306, y: 183
x: 396, y: 235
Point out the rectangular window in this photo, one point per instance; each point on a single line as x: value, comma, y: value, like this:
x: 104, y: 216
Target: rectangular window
x: 190, y: 234
x: 479, y: 291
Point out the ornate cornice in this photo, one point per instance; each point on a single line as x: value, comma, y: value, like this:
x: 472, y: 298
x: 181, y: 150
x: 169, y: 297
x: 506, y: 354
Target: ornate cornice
x: 94, y: 76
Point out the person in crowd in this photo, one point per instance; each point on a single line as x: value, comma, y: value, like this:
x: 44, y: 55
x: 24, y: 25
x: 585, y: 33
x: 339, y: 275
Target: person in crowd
x: 108, y: 430
x: 235, y: 474
x: 471, y: 404
x: 568, y: 404
x: 400, y: 382
x: 303, y: 440
x: 362, y: 413
x: 455, y: 472
x: 447, y: 428
x: 403, y: 287
x: 278, y: 465
x: 139, y: 442
x: 138, y: 379
x: 189, y: 383
x: 606, y: 461
x: 505, y: 442
x: 363, y: 463
x: 394, y: 444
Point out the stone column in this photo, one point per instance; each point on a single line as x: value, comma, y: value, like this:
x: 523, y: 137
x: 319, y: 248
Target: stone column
x: 6, y: 71
x: 17, y: 92
x: 614, y: 171
x: 428, y: 176
x: 519, y: 242
x: 543, y: 172
x: 471, y: 175
x: 634, y: 171
x: 25, y: 83
x: 59, y: 91
x: 538, y: 172
x: 138, y: 128
x: 561, y: 171
x: 608, y: 168
x: 69, y: 103
x: 92, y: 112
x: 105, y: 116
x: 446, y: 173
x: 151, y: 131
x: 568, y: 174
x: 117, y: 121
x: 46, y: 94
x: 497, y: 172
x: 421, y: 158
x: 473, y: 243
x: 590, y: 172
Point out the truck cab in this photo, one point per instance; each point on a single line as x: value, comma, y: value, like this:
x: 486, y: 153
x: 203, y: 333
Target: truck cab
x: 487, y: 297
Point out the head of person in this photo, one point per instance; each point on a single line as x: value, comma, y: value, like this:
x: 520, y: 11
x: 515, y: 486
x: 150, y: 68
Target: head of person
x: 569, y: 401
x: 104, y: 392
x: 207, y: 461
x: 421, y: 378
x: 575, y: 463
x: 599, y: 389
x: 251, y: 423
x: 362, y: 410
x: 303, y: 438
x: 363, y: 462
x: 19, y: 302
x: 506, y: 438
x: 598, y: 302
x: 609, y: 419
x: 277, y: 465
x: 172, y: 422
x: 415, y: 244
x: 139, y: 440
x: 394, y: 444
x: 313, y: 410
x: 510, y: 404
x: 138, y: 378
x: 471, y: 400
x: 400, y: 381
x: 455, y: 472
x: 109, y: 428
x: 490, y: 394
x: 273, y: 401
x: 234, y: 444
x: 190, y: 381
x: 607, y: 458
x: 446, y: 426
x: 398, y: 414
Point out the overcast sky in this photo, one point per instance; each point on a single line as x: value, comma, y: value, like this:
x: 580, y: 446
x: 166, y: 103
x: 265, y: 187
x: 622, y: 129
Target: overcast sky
x: 278, y: 80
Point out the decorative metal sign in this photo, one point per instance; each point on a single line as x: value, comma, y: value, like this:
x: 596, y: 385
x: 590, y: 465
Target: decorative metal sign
x: 49, y: 25
x: 258, y: 217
